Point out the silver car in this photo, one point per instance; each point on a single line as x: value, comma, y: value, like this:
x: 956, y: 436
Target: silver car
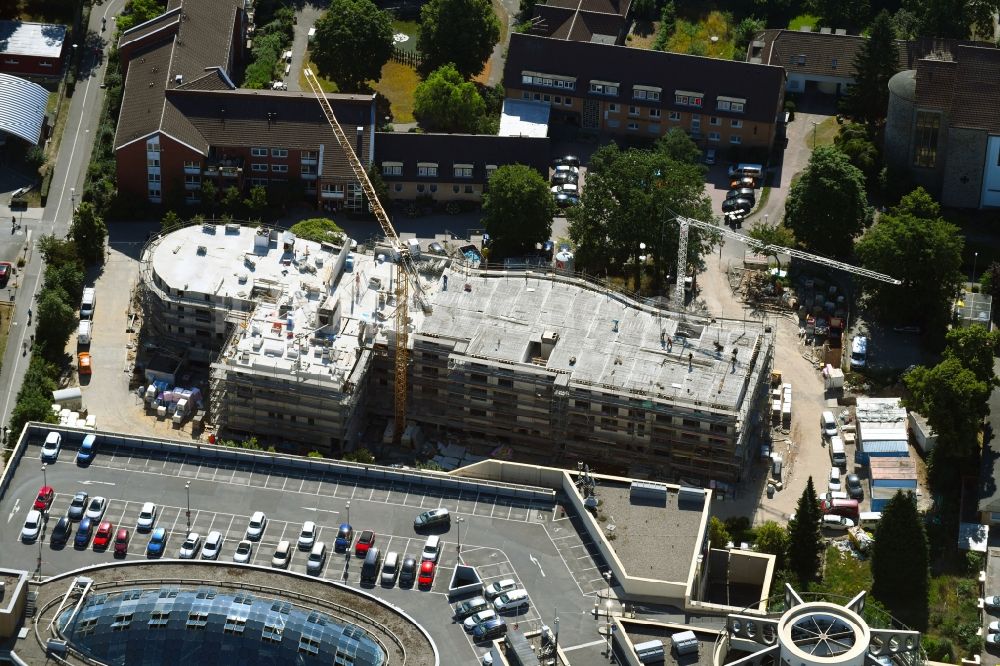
x: 213, y: 544
x: 190, y: 546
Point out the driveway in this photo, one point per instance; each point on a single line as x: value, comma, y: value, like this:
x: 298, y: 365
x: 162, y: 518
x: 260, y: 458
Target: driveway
x: 305, y: 18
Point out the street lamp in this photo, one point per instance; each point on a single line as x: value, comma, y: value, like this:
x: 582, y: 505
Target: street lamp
x: 72, y: 198
x: 459, y: 522
x: 348, y: 513
x: 815, y: 124
x: 187, y: 487
x: 45, y: 480
x: 555, y: 637
x: 609, y: 628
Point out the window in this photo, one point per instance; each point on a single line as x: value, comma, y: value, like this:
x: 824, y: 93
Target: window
x: 433, y: 188
x: 925, y: 138
x: 633, y: 125
x: 642, y: 92
x: 153, y: 177
x: 258, y: 181
x: 546, y: 98
x: 633, y: 110
x: 153, y: 145
x: 469, y: 189
x: 547, y: 80
x: 713, y: 136
x: 463, y: 171
x: 455, y: 188
x: 279, y: 168
x: 420, y: 187
x: 310, y: 154
x: 695, y: 123
x: 675, y: 116
x: 736, y: 123
x: 153, y: 162
x: 154, y: 192
x: 279, y: 152
x: 833, y: 64
x: 568, y: 102
x: 192, y: 165
x: 392, y: 168
x: 398, y: 187
x: 800, y: 59
x: 687, y: 98
x: 557, y: 99
x: 612, y: 108
x: 490, y: 169
x: 258, y: 152
x: 11, y: 61
x: 307, y: 169
x: 735, y: 138
x: 258, y: 167
x: 192, y: 178
x: 604, y: 87
x: 525, y: 95
x: 44, y: 63
x: 427, y: 169
x: 714, y: 121
x: 736, y: 104
x: 654, y: 113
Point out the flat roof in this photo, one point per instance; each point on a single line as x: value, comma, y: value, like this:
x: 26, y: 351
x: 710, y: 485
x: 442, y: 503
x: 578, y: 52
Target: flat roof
x: 651, y: 541
x: 886, y: 468
x: 615, y: 345
x: 524, y: 118
x: 40, y: 40
x: 639, y: 631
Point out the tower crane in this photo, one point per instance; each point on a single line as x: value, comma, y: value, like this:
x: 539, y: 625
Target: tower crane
x: 406, y: 268
x: 686, y: 222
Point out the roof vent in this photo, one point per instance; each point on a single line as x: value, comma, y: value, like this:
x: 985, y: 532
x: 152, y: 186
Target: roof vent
x: 840, y: 31
x: 179, y: 79
x: 202, y: 250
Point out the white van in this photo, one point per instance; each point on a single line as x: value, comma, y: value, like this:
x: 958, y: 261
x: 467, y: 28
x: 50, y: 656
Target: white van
x: 83, y: 333
x: 834, y: 484
x: 88, y: 303
x: 838, y: 454
x: 870, y: 519
x: 828, y: 425
x: 859, y: 351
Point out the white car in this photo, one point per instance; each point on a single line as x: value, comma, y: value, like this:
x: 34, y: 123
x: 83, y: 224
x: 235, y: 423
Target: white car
x: 243, y: 552
x: 32, y: 526
x: 994, y: 627
x: 992, y: 601
x: 213, y: 544
x: 835, y: 485
x: 96, y: 508
x: 992, y: 639
x: 494, y: 590
x: 50, y: 449
x: 307, y: 537
x: 147, y: 517
x: 255, y: 530
x: 511, y: 600
x: 282, y: 555
x: 834, y: 522
x: 478, y: 618
x: 190, y: 546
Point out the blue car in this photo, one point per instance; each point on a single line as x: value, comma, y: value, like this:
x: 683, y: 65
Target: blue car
x: 345, y: 535
x: 88, y: 449
x: 157, y: 542
x: 83, y: 533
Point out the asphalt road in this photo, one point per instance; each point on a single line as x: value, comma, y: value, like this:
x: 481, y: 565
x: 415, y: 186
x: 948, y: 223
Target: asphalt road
x: 502, y: 539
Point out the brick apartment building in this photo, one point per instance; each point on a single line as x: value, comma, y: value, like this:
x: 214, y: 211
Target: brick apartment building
x: 184, y: 121
x: 641, y: 93
x: 32, y: 49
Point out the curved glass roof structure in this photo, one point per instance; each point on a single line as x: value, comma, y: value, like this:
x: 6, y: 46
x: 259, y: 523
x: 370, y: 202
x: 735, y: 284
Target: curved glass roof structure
x: 141, y: 627
x: 22, y: 107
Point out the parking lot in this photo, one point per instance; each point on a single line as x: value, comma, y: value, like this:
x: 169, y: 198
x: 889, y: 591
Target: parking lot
x: 533, y: 543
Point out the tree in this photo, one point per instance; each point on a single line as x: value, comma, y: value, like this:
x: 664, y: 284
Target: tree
x: 171, y: 221
x: 773, y: 538
x: 827, y: 206
x: 140, y: 11
x: 257, y: 201
x: 353, y: 41
x: 918, y: 203
x: 231, y: 199
x: 954, y: 401
x: 56, y: 321
x: 318, y: 230
x: 855, y: 141
x: 668, y: 23
x: 900, y: 573
x: 381, y: 191
x: 678, y: 146
x: 746, y: 31
x: 868, y: 99
x: 65, y: 278
x: 314, y: 454
x: 624, y: 207
x: 718, y: 537
x: 925, y: 253
x: 209, y: 195
x: 445, y: 102
x: 461, y: 32
x: 905, y: 24
x: 58, y: 250
x: 89, y: 232
x: 644, y: 10
x: 362, y: 455
x: 804, y: 541
x: 774, y: 235
x: 990, y: 280
x: 955, y: 19
x: 853, y: 15
x: 974, y: 347
x: 517, y: 210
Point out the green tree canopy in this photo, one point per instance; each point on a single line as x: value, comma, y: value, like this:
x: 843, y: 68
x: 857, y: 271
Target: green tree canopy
x: 854, y: 140
x: 974, y: 347
x: 56, y: 321
x: 678, y: 146
x: 776, y: 235
x: 89, y: 232
x: 925, y: 253
x: 171, y: 221
x: 853, y: 15
x: 718, y: 536
x: 257, y: 201
x: 65, y: 278
x: 140, y: 11
x: 868, y: 99
x: 318, y: 230
x: 827, y: 207
x: 446, y: 102
x: 209, y: 194
x: 773, y: 538
x: 954, y: 401
x: 461, y: 32
x: 632, y: 197
x: 381, y: 191
x: 517, y: 210
x: 900, y: 573
x: 353, y: 41
x: 956, y: 19
x: 805, y: 543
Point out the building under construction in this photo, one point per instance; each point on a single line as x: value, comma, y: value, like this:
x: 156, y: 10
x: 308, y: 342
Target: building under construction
x: 531, y: 366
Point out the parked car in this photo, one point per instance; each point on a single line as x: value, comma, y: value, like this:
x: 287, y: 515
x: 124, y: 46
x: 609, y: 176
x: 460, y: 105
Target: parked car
x: 157, y: 542
x: 61, y: 532
x: 565, y: 200
x: 5, y: 271
x: 994, y: 627
x: 87, y: 451
x: 96, y: 508
x: 83, y: 366
x: 32, y: 526
x: 255, y: 530
x: 478, y: 618
x: 859, y: 351
x: 834, y: 484
x: 426, y: 577
x: 834, y: 522
x: 432, y: 518
x: 83, y: 533
x: 854, y: 488
x: 78, y: 505
x: 744, y: 181
x: 828, y: 424
x: 513, y: 600
x: 742, y: 193
x: 992, y: 640
x: 737, y: 205
x: 244, y: 549
x: 102, y: 537
x: 408, y: 571
x: 567, y: 160
x: 317, y: 558
x: 282, y: 554
x: 213, y: 545
x: 566, y: 188
x: 308, y: 535
x: 44, y: 498
x: 50, y: 449
x: 992, y: 601
x: 390, y: 569
x: 432, y: 548
x: 470, y: 607
x: 495, y: 589
x: 365, y: 542
x: 189, y: 549
x: 489, y: 630
x: 121, y: 542
x: 147, y: 516
x: 345, y: 537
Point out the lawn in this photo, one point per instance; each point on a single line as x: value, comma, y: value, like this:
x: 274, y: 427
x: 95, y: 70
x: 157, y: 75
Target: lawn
x: 711, y: 36
x: 804, y: 19
x: 325, y: 84
x: 823, y: 133
x: 643, y: 35
x: 6, y: 312
x: 398, y: 83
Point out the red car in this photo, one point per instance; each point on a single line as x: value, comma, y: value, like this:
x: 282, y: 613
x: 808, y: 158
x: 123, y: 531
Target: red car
x: 365, y: 542
x: 5, y: 271
x: 44, y: 499
x: 121, y: 542
x: 103, y: 536
x: 426, y: 576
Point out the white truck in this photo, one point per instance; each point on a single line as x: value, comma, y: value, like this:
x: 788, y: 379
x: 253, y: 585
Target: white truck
x: 88, y: 303
x: 83, y: 333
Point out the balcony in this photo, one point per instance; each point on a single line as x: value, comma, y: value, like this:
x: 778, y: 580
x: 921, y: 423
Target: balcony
x: 226, y: 168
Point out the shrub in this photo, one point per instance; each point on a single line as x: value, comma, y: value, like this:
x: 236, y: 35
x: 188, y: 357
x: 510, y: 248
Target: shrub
x: 46, y: 186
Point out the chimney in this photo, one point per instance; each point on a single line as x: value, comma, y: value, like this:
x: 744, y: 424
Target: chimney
x: 360, y: 141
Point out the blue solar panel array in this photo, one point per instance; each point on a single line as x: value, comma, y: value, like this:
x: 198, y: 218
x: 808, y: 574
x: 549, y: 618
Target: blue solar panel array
x: 172, y: 625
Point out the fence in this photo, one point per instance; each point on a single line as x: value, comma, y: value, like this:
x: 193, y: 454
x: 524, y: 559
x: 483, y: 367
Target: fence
x: 406, y: 57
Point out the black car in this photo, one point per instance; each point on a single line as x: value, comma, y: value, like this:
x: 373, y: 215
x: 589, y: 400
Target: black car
x: 854, y: 488
x: 61, y: 532
x: 565, y: 200
x: 742, y: 193
x: 408, y: 572
x: 737, y: 205
x: 568, y: 160
x: 563, y: 177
